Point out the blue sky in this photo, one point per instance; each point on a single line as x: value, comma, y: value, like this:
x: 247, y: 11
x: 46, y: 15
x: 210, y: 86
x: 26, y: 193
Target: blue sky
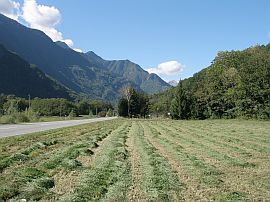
x: 152, y: 32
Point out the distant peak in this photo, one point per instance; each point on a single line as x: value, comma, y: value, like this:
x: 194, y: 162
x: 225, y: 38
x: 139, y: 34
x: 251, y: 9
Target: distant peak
x: 93, y: 55
x: 62, y: 44
x: 173, y: 83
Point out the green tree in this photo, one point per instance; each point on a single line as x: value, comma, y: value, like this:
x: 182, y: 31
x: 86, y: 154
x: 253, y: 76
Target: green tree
x: 137, y: 106
x: 123, y: 107
x: 179, y: 105
x: 83, y: 107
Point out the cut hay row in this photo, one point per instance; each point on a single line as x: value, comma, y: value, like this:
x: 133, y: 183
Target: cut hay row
x: 139, y: 160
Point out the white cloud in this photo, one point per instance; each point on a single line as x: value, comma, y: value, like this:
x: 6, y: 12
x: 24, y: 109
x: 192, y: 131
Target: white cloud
x: 167, y: 68
x: 41, y: 17
x: 10, y: 9
x: 44, y: 18
x: 78, y: 50
x: 69, y: 42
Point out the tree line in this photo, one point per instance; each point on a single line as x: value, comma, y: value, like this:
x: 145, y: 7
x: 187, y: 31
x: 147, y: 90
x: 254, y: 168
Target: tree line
x: 26, y: 110
x: 133, y: 104
x: 236, y: 84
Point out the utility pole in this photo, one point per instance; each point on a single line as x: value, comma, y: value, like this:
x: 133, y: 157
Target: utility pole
x: 60, y: 108
x: 29, y: 101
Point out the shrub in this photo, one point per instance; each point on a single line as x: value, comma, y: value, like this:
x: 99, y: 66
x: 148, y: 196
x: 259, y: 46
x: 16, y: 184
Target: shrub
x: 102, y: 114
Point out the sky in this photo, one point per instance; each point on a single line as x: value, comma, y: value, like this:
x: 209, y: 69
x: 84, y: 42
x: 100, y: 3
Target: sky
x: 173, y: 38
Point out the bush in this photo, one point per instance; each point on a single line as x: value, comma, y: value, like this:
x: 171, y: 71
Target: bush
x: 109, y: 113
x: 14, y: 116
x: 72, y: 114
x: 102, y: 114
x: 22, y: 117
x: 7, y: 119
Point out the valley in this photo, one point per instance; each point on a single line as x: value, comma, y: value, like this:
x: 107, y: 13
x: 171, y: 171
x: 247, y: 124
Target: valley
x: 140, y: 101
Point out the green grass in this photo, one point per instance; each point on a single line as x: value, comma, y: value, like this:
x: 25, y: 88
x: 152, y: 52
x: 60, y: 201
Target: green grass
x: 8, y: 119
x: 139, y: 160
x: 58, y: 118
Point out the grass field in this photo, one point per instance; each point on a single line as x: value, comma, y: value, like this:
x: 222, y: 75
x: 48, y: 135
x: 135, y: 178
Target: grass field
x: 139, y: 160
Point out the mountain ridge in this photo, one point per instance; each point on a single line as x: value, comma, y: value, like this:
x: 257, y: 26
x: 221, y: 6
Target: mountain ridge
x: 88, y: 75
x: 20, y: 78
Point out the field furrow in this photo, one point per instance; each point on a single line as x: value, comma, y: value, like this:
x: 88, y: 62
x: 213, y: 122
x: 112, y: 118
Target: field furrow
x: 135, y: 193
x: 229, y: 136
x: 139, y: 160
x: 109, y: 178
x: 190, y: 185
x: 205, y: 175
x: 210, y: 148
x: 234, y: 173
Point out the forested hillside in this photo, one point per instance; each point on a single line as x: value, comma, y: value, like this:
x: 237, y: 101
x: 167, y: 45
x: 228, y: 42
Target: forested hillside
x: 19, y: 78
x: 236, y: 84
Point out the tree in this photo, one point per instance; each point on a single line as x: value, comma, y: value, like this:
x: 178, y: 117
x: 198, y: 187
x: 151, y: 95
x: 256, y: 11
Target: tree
x: 123, y: 107
x: 127, y: 91
x: 144, y: 104
x: 83, y: 107
x: 137, y: 106
x: 236, y: 84
x: 179, y: 105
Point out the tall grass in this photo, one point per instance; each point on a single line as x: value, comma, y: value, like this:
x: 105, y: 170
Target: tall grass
x: 19, y: 117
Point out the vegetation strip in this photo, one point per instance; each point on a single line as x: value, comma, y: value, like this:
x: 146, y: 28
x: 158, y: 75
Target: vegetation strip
x: 190, y: 185
x: 63, y: 152
x: 159, y: 182
x: 135, y: 191
x: 109, y: 177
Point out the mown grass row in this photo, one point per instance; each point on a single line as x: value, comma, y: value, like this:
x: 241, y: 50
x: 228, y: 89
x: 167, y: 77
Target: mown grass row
x: 210, y: 137
x: 158, y: 182
x: 210, y: 148
x: 37, y: 146
x: 136, y: 160
x: 23, y: 173
x: 210, y: 180
x: 240, y: 177
x: 199, y: 169
x: 109, y: 178
x: 237, y: 130
x: 231, y: 136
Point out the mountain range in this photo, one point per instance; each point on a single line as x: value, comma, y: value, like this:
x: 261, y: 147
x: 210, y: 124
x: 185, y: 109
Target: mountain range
x: 20, y: 78
x: 86, y: 74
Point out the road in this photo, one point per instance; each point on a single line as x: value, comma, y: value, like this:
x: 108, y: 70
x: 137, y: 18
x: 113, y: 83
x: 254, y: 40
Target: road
x: 21, y: 129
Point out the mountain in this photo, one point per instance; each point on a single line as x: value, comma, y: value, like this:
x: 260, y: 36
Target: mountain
x: 86, y: 74
x: 173, y: 83
x: 150, y: 83
x: 62, y: 44
x: 19, y: 78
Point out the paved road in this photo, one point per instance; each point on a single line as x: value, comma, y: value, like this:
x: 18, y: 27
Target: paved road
x: 20, y: 129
